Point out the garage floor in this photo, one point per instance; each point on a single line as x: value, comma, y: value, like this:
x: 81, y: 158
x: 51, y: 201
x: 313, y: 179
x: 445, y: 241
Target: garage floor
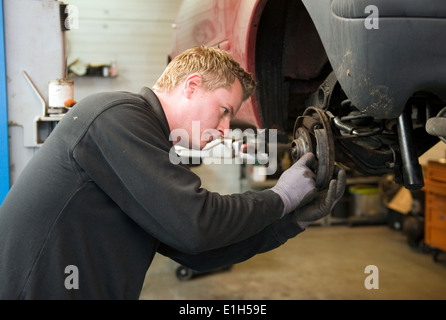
x: 321, y: 263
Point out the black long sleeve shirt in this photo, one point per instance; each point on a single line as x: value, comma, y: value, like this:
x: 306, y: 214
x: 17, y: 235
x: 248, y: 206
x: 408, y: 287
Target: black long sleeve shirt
x: 102, y: 195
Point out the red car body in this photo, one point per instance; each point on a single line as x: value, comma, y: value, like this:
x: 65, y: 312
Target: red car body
x: 230, y: 25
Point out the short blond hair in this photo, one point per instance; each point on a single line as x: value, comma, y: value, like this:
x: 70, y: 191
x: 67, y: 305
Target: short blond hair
x: 216, y: 67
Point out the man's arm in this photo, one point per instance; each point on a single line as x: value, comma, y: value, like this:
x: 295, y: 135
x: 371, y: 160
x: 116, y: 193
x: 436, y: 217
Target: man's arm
x: 268, y: 239
x: 271, y: 237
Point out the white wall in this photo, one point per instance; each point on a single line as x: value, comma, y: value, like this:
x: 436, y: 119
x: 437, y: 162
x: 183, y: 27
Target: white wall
x: 135, y: 33
x: 34, y: 44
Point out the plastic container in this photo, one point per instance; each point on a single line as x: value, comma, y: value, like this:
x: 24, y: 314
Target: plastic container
x: 366, y: 200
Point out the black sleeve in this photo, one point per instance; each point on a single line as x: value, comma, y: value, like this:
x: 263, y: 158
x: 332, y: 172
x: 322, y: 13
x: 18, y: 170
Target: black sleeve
x: 126, y: 153
x: 270, y: 238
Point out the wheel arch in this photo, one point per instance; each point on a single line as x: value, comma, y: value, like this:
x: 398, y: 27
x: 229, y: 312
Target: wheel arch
x: 289, y: 62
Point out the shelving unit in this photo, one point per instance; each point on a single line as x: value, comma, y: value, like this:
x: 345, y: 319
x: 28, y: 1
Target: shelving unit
x: 435, y: 214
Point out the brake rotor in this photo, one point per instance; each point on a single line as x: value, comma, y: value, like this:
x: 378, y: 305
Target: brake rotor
x: 312, y: 133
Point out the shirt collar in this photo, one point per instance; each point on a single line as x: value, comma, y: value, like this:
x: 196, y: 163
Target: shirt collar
x: 153, y: 101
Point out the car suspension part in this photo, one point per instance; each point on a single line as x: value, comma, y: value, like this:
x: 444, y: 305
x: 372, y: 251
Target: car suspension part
x: 312, y: 133
x: 360, y: 144
x: 412, y: 173
x: 368, y: 145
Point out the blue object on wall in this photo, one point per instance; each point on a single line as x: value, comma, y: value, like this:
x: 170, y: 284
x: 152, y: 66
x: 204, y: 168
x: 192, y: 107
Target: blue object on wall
x: 4, y: 149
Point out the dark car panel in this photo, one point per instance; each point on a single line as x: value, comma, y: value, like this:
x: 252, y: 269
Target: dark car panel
x: 380, y: 69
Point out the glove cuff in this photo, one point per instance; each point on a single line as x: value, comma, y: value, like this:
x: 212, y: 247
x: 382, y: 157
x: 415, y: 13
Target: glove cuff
x: 286, y: 203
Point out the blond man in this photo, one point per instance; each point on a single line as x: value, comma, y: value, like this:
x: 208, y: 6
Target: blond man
x: 87, y: 215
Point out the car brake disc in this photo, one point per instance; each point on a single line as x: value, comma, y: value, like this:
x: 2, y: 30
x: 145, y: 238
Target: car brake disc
x: 312, y: 133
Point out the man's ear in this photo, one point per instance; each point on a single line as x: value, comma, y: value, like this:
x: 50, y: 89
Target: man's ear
x: 191, y: 83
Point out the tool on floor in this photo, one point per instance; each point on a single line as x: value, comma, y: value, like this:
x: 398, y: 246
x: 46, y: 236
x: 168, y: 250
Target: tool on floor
x: 184, y: 273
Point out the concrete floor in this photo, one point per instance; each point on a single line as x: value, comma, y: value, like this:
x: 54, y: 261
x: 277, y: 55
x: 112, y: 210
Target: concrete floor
x: 321, y: 263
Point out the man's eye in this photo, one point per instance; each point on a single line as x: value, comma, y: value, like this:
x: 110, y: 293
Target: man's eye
x: 225, y: 110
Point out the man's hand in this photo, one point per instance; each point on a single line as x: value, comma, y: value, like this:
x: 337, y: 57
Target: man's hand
x: 324, y: 201
x: 297, y: 185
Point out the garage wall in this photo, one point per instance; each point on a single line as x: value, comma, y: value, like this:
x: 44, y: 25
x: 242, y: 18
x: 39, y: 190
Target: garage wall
x: 34, y: 46
x: 135, y: 33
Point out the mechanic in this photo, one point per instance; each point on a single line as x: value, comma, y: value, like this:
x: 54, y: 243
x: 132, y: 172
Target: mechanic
x: 101, y: 196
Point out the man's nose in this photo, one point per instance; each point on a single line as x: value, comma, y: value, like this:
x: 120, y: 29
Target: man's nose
x: 223, y: 126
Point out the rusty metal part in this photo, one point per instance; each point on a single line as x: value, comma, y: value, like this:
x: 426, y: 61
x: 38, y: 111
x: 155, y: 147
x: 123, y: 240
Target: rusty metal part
x: 301, y: 144
x: 312, y: 133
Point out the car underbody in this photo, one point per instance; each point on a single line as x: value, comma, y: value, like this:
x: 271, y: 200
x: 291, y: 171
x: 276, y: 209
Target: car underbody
x: 300, y: 95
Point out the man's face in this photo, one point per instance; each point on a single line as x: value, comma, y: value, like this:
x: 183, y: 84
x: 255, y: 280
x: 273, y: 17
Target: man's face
x: 211, y: 113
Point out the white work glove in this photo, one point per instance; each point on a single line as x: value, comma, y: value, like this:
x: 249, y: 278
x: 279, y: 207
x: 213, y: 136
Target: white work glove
x: 324, y: 201
x: 297, y: 185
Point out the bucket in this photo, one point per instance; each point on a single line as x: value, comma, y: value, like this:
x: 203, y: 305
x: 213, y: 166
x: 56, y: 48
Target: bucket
x: 59, y: 91
x: 366, y: 201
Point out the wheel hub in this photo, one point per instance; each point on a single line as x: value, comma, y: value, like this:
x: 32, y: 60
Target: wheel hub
x: 312, y: 133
